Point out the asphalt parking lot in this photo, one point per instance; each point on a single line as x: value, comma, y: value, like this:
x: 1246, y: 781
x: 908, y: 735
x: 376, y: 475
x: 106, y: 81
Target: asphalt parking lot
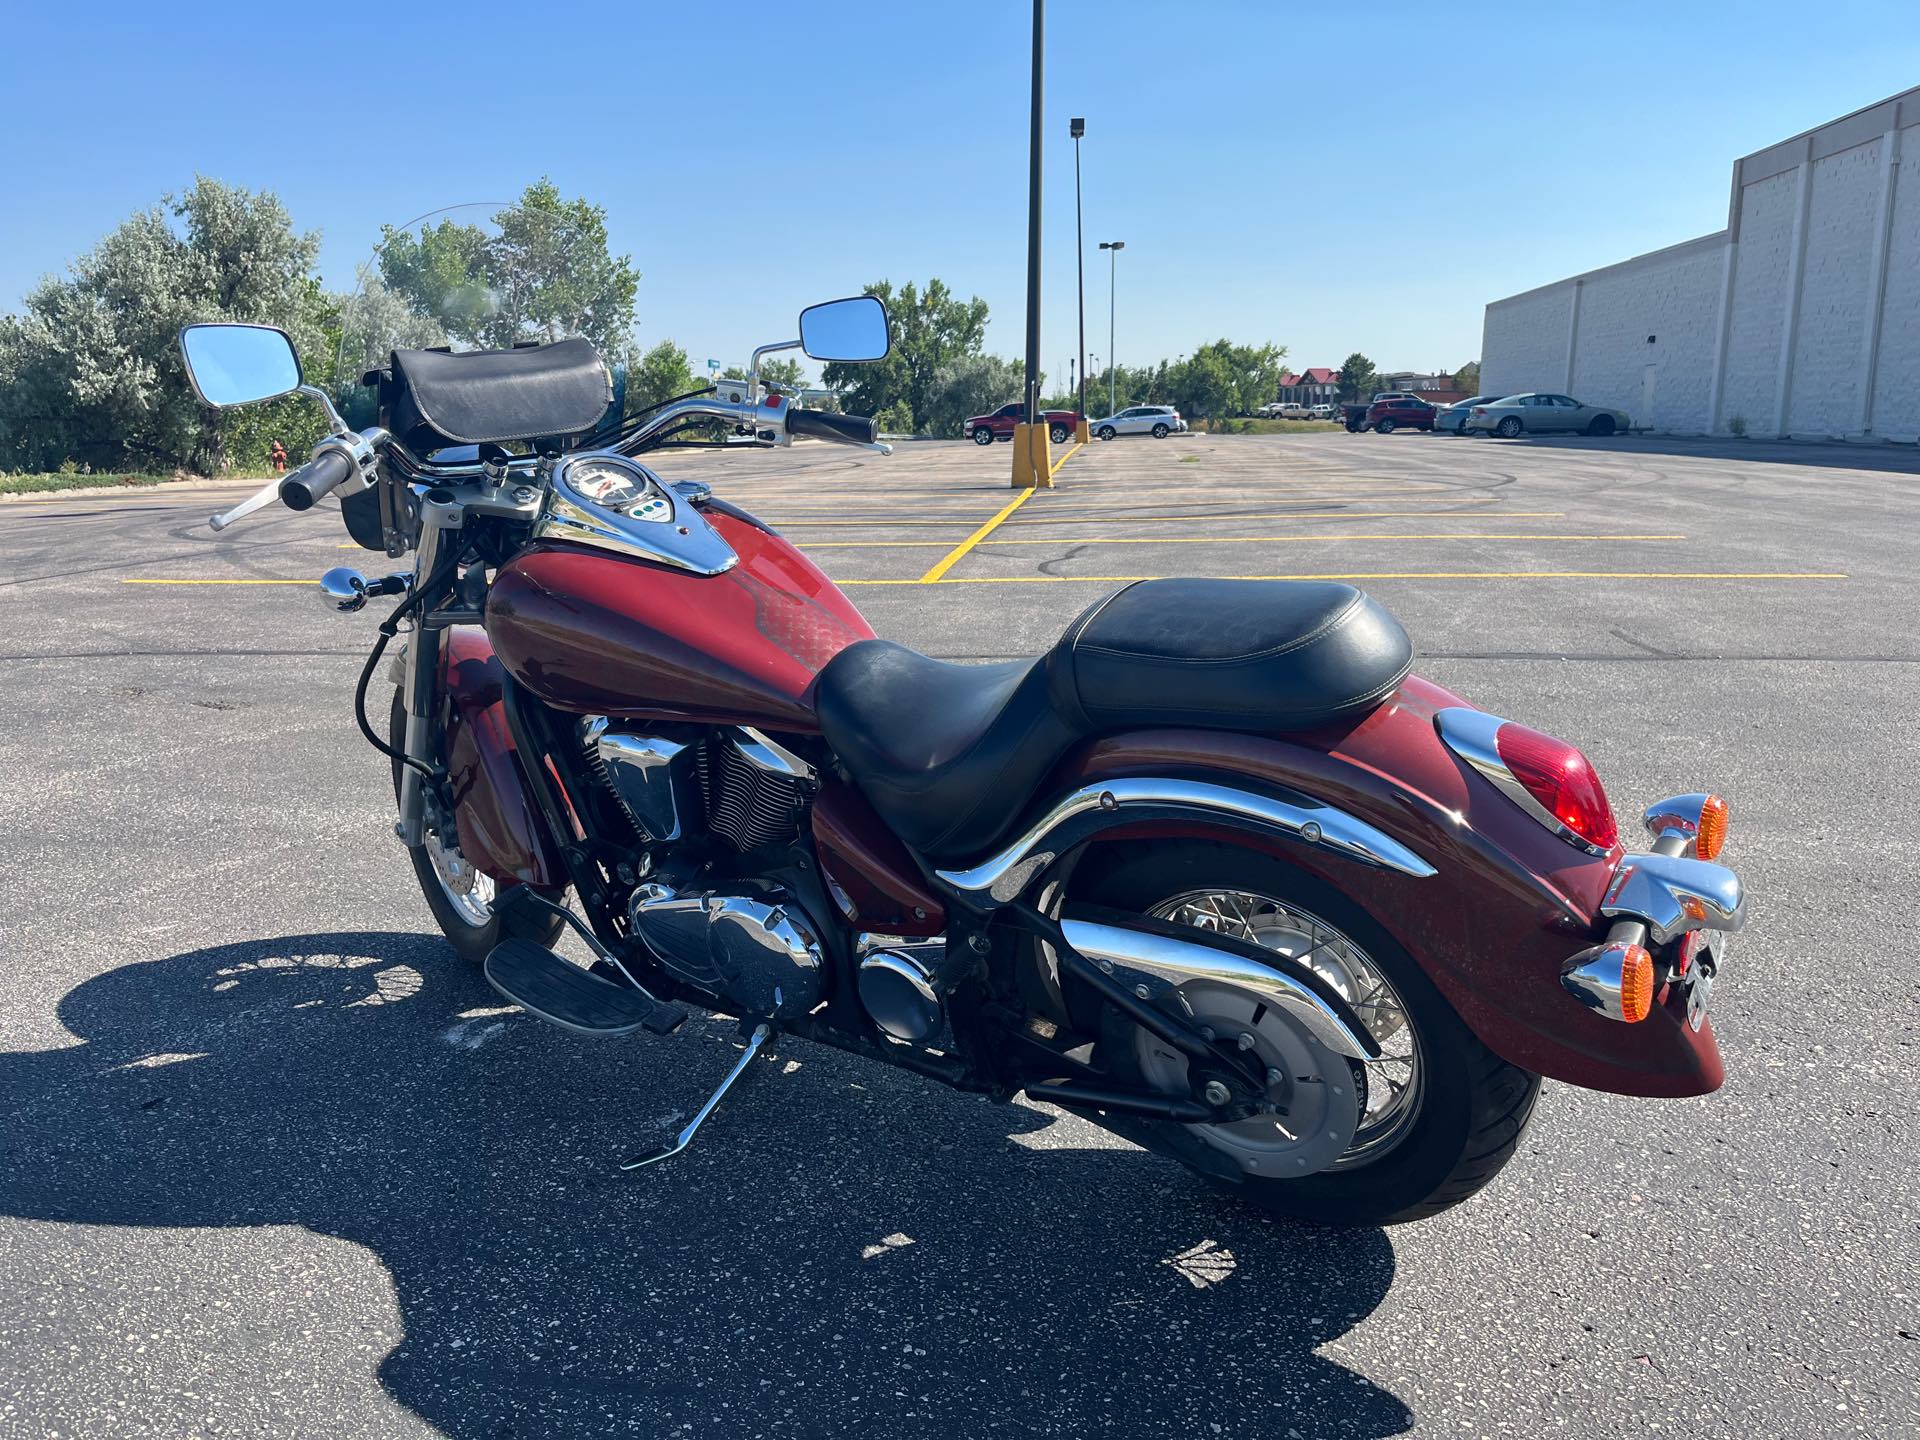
x: 276, y: 1163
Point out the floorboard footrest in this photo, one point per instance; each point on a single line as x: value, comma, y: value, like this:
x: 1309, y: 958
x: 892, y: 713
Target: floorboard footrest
x: 548, y: 988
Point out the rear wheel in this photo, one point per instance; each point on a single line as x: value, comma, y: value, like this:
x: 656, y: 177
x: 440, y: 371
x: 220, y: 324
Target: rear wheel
x: 1600, y: 425
x: 460, y: 896
x: 1160, y: 432
x: 1423, y: 1127
x: 1508, y: 427
x: 982, y: 435
x: 1058, y: 434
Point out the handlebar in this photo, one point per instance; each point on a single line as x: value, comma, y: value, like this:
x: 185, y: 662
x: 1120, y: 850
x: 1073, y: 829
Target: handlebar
x: 826, y: 425
x: 316, y: 479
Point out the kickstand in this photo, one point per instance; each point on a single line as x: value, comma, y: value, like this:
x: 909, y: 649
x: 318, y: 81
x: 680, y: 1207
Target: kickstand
x: 760, y: 1035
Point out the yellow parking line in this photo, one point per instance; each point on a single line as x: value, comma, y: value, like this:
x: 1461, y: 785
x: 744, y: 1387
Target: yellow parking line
x: 1390, y: 575
x: 215, y: 582
x: 1209, y: 540
x: 952, y: 557
x: 1098, y: 519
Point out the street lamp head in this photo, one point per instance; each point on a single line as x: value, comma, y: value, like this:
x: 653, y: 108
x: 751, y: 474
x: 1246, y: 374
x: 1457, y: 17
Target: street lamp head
x: 1077, y: 127
x: 1113, y: 244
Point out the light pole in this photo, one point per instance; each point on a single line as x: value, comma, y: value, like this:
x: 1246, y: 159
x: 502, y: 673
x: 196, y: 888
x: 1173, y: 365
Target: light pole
x: 1078, y: 127
x: 1033, y: 224
x: 1113, y: 271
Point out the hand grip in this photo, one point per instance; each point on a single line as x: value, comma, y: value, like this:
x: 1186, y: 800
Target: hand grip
x: 316, y: 479
x: 826, y: 425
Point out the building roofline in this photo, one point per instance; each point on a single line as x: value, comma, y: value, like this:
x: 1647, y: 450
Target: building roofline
x: 1700, y: 242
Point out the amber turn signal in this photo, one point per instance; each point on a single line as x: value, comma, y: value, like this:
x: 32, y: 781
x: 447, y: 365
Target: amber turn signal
x: 1636, y: 984
x: 1713, y: 829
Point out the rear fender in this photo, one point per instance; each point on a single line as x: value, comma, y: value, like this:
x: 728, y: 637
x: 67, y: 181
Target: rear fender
x: 502, y: 832
x: 1506, y: 904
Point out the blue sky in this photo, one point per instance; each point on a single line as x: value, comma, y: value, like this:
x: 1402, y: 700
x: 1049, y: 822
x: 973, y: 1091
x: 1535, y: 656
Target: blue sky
x: 1327, y: 179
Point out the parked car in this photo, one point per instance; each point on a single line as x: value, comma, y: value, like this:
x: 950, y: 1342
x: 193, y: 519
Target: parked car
x: 1452, y: 419
x: 1537, y: 413
x: 1158, y: 421
x: 1284, y: 410
x: 985, y: 429
x: 1353, y: 413
x: 1389, y: 413
x: 1322, y: 412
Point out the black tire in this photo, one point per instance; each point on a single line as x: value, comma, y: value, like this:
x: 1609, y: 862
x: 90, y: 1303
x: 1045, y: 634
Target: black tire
x: 982, y: 435
x: 1508, y: 427
x: 1473, y: 1109
x: 1107, y: 432
x: 1160, y: 431
x: 1058, y: 434
x: 1601, y: 425
x: 1384, y: 427
x: 472, y: 942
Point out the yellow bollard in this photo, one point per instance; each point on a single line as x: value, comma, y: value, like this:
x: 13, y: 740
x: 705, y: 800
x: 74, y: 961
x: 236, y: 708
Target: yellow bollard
x: 1083, y: 432
x: 1032, y: 461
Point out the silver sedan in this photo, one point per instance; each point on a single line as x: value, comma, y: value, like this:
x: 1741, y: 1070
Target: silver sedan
x: 1538, y: 413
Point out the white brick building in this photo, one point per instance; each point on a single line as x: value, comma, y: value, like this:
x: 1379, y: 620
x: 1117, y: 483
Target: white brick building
x: 1801, y: 318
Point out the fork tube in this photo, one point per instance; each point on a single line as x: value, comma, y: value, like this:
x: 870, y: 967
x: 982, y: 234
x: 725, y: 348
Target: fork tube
x: 418, y: 683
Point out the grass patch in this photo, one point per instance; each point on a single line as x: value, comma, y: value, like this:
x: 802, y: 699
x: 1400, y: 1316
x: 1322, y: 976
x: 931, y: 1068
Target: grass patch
x: 1254, y: 426
x: 34, y: 484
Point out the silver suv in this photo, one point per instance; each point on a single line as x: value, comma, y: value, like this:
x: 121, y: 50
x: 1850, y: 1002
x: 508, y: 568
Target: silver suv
x: 1158, y: 421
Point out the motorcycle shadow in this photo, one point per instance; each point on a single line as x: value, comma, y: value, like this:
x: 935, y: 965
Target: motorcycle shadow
x: 845, y: 1249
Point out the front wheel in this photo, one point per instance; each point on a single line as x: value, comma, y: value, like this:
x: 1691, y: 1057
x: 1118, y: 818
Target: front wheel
x: 1426, y: 1125
x: 1160, y: 432
x: 983, y: 436
x: 460, y: 896
x: 1107, y: 432
x: 1601, y: 425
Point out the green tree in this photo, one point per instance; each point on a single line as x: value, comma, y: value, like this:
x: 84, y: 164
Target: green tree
x: 930, y: 328
x: 541, y: 272
x: 660, y: 374
x: 91, y: 370
x: 970, y: 385
x: 1357, y: 377
x: 1467, y: 378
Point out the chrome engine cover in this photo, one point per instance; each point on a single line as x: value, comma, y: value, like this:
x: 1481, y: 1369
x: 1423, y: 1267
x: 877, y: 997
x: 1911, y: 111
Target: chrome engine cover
x: 762, y: 954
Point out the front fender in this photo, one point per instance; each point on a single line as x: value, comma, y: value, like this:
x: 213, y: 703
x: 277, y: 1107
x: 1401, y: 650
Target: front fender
x: 1507, y: 904
x: 502, y: 831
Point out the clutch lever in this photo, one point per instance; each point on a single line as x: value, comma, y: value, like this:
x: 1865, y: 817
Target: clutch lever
x: 265, y: 495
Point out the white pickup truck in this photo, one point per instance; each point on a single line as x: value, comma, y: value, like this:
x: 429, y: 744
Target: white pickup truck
x: 1284, y: 410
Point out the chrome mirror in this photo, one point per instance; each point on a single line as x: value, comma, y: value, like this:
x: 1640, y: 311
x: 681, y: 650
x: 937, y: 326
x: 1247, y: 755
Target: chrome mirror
x: 852, y: 330
x: 239, y: 364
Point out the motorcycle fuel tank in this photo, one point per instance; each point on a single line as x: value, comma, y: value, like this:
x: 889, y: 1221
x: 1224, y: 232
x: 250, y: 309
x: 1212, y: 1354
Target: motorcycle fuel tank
x: 598, y: 633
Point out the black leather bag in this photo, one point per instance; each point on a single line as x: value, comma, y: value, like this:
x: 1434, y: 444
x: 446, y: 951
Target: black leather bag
x: 435, y: 398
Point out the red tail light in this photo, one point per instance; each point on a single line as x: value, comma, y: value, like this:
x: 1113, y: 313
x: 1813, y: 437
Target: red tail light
x: 1561, y: 779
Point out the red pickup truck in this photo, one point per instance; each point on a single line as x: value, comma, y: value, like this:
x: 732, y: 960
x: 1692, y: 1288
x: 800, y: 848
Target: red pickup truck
x: 985, y: 429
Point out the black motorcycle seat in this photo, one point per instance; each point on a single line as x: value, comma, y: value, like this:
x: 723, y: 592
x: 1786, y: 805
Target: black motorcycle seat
x: 949, y: 754
x: 477, y: 397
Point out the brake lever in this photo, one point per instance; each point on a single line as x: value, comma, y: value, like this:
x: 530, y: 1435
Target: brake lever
x: 265, y: 495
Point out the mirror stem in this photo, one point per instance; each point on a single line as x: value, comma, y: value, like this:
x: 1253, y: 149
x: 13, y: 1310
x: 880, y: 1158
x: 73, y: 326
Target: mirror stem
x: 334, y: 422
x: 753, y: 370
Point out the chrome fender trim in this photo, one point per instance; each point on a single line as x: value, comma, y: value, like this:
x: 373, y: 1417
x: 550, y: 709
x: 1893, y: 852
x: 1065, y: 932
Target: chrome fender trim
x: 1115, y: 802
x: 1674, y: 895
x: 1158, y: 963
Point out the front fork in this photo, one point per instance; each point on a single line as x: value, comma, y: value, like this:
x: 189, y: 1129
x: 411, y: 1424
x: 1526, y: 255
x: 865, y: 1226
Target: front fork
x: 420, y: 679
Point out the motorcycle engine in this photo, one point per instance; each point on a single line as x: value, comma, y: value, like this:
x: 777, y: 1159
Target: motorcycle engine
x: 759, y: 951
x: 758, y: 948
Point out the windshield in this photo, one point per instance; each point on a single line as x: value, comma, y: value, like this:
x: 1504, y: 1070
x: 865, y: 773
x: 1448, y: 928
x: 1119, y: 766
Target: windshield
x: 484, y: 276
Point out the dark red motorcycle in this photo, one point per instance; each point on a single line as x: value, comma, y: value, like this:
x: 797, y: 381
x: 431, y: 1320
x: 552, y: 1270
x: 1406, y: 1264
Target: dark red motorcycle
x: 1215, y: 872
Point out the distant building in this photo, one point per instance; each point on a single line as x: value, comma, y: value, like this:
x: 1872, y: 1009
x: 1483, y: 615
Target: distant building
x: 1801, y: 318
x: 1439, y: 389
x: 1317, y: 385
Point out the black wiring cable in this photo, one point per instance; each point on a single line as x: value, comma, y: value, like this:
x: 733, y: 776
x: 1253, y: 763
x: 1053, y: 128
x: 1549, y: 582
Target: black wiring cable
x: 390, y: 627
